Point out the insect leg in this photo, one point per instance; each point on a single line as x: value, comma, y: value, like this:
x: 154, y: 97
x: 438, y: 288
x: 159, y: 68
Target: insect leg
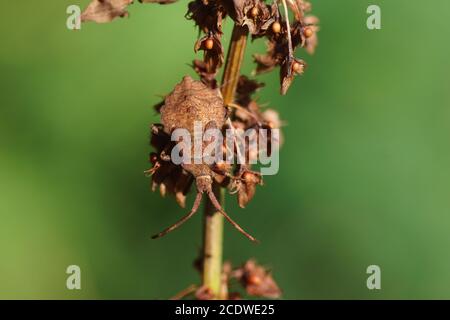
x: 216, y: 204
x: 194, y: 209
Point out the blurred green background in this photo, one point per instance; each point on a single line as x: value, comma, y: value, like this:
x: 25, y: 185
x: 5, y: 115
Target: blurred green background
x: 364, y: 175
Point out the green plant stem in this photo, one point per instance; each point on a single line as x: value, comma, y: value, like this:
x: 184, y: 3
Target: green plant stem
x: 213, y: 220
x: 233, y: 65
x: 213, y: 243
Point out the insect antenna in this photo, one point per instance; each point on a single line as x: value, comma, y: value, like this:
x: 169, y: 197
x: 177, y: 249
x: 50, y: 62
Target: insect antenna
x: 194, y: 209
x: 217, y: 205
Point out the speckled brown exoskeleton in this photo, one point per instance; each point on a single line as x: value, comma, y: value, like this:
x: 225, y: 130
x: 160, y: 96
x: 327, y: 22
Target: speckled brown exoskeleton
x: 189, y: 102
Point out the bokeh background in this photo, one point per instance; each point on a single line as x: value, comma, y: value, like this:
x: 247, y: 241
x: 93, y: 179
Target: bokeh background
x: 364, y: 176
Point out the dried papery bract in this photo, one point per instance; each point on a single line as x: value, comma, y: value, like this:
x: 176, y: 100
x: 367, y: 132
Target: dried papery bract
x: 158, y: 1
x: 257, y: 280
x: 102, y: 11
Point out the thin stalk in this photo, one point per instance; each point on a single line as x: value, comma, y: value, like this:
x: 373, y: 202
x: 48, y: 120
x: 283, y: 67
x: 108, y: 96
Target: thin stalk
x: 213, y: 220
x: 288, y: 28
x: 213, y: 243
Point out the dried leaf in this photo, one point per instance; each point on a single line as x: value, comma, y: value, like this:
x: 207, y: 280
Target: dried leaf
x: 312, y: 41
x: 204, y: 293
x: 207, y: 77
x: 102, y: 11
x: 247, y: 189
x: 272, y: 118
x: 257, y: 16
x: 158, y: 1
x: 277, y: 50
x: 208, y: 15
x: 213, y: 51
x: 245, y: 89
x: 264, y: 63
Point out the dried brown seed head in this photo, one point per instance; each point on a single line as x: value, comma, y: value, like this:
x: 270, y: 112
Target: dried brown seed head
x: 257, y: 280
x: 213, y: 51
x: 247, y: 187
x: 255, y: 14
x: 208, y: 15
x: 289, y: 68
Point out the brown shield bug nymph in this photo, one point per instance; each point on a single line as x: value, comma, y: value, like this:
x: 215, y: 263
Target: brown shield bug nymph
x: 189, y: 103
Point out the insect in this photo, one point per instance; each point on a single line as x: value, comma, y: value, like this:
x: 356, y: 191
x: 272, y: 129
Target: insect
x: 189, y: 102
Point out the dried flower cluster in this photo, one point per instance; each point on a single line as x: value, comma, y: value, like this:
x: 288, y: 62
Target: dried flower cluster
x: 251, y: 278
x: 201, y: 101
x: 262, y: 19
x: 257, y: 280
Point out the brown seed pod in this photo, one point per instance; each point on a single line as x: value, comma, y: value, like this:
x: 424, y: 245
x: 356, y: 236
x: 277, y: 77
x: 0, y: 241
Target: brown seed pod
x: 276, y: 27
x: 298, y: 67
x: 209, y: 44
x: 190, y: 102
x: 254, y: 12
x: 308, y: 32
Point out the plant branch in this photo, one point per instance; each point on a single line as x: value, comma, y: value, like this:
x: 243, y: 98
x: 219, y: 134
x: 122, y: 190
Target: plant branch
x: 213, y: 220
